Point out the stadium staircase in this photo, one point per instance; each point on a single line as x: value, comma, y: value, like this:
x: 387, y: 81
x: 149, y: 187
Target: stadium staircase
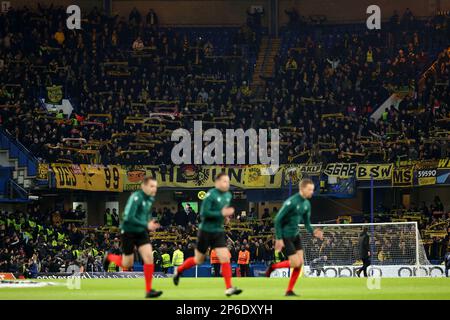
x: 393, y: 100
x: 18, y: 168
x: 265, y: 64
x: 397, y: 97
x: 430, y: 72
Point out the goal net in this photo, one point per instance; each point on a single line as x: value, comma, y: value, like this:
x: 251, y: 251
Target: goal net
x: 391, y: 244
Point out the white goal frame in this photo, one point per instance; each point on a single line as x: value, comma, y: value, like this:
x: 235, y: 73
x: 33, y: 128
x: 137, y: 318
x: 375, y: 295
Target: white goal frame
x: 411, y: 223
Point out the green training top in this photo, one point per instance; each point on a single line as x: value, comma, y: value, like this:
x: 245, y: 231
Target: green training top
x: 211, y: 210
x: 295, y: 210
x: 137, y: 212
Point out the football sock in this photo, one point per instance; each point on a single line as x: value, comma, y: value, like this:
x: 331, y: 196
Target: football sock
x: 148, y: 274
x: 282, y: 264
x: 293, y: 279
x: 226, y: 274
x: 187, y: 264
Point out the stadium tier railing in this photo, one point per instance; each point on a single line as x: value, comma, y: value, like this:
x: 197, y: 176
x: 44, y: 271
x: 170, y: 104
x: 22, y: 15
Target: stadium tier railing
x: 17, y: 151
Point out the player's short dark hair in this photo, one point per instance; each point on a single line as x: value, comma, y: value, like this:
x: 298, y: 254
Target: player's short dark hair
x: 146, y: 180
x: 305, y: 182
x: 220, y: 175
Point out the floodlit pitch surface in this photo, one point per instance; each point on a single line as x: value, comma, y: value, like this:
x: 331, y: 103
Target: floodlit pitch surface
x: 254, y: 288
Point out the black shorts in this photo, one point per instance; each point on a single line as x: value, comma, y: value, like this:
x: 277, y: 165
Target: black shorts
x: 292, y: 245
x: 131, y: 240
x: 211, y: 240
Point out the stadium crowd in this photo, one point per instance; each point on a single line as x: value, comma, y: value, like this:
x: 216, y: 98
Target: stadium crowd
x: 120, y: 70
x: 433, y: 221
x: 333, y: 82
x: 60, y: 241
x: 132, y: 82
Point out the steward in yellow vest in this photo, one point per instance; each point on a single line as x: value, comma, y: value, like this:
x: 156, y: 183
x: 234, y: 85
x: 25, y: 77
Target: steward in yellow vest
x: 178, y: 257
x: 369, y: 56
x: 165, y: 262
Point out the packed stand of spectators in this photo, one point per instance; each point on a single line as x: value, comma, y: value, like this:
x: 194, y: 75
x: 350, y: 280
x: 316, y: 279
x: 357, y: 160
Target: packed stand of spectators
x: 118, y: 74
x: 132, y: 82
x: 46, y: 241
x: 39, y: 241
x: 59, y: 241
x: 433, y: 222
x: 329, y: 80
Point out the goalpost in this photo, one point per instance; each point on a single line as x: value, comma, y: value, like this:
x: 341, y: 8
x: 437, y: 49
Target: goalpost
x: 396, y: 250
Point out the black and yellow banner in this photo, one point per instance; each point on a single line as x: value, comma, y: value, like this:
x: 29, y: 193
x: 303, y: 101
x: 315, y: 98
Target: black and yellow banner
x: 403, y: 176
x: 191, y: 176
x: 444, y: 163
x: 117, y: 178
x: 426, y: 181
x: 426, y: 164
x: 128, y: 178
x: 42, y: 172
x: 88, y: 177
x: 54, y: 95
x: 341, y: 170
x: 246, y: 177
x: 375, y: 171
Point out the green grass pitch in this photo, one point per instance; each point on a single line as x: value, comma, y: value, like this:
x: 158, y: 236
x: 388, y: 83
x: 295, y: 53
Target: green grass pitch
x: 254, y: 288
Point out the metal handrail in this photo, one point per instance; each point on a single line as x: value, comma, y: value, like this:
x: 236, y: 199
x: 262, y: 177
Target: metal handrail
x: 19, y: 145
x: 23, y: 193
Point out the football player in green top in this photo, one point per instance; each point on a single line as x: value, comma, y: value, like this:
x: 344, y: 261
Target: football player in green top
x: 137, y: 221
x: 295, y: 210
x: 215, y: 210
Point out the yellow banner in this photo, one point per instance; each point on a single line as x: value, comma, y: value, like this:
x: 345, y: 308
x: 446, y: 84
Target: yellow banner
x: 128, y: 178
x: 88, y: 177
x: 377, y: 171
x: 54, y: 94
x: 402, y: 177
x: 427, y: 181
x: 254, y: 177
x: 42, y: 173
x: 444, y: 163
x: 191, y: 176
x: 426, y: 164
